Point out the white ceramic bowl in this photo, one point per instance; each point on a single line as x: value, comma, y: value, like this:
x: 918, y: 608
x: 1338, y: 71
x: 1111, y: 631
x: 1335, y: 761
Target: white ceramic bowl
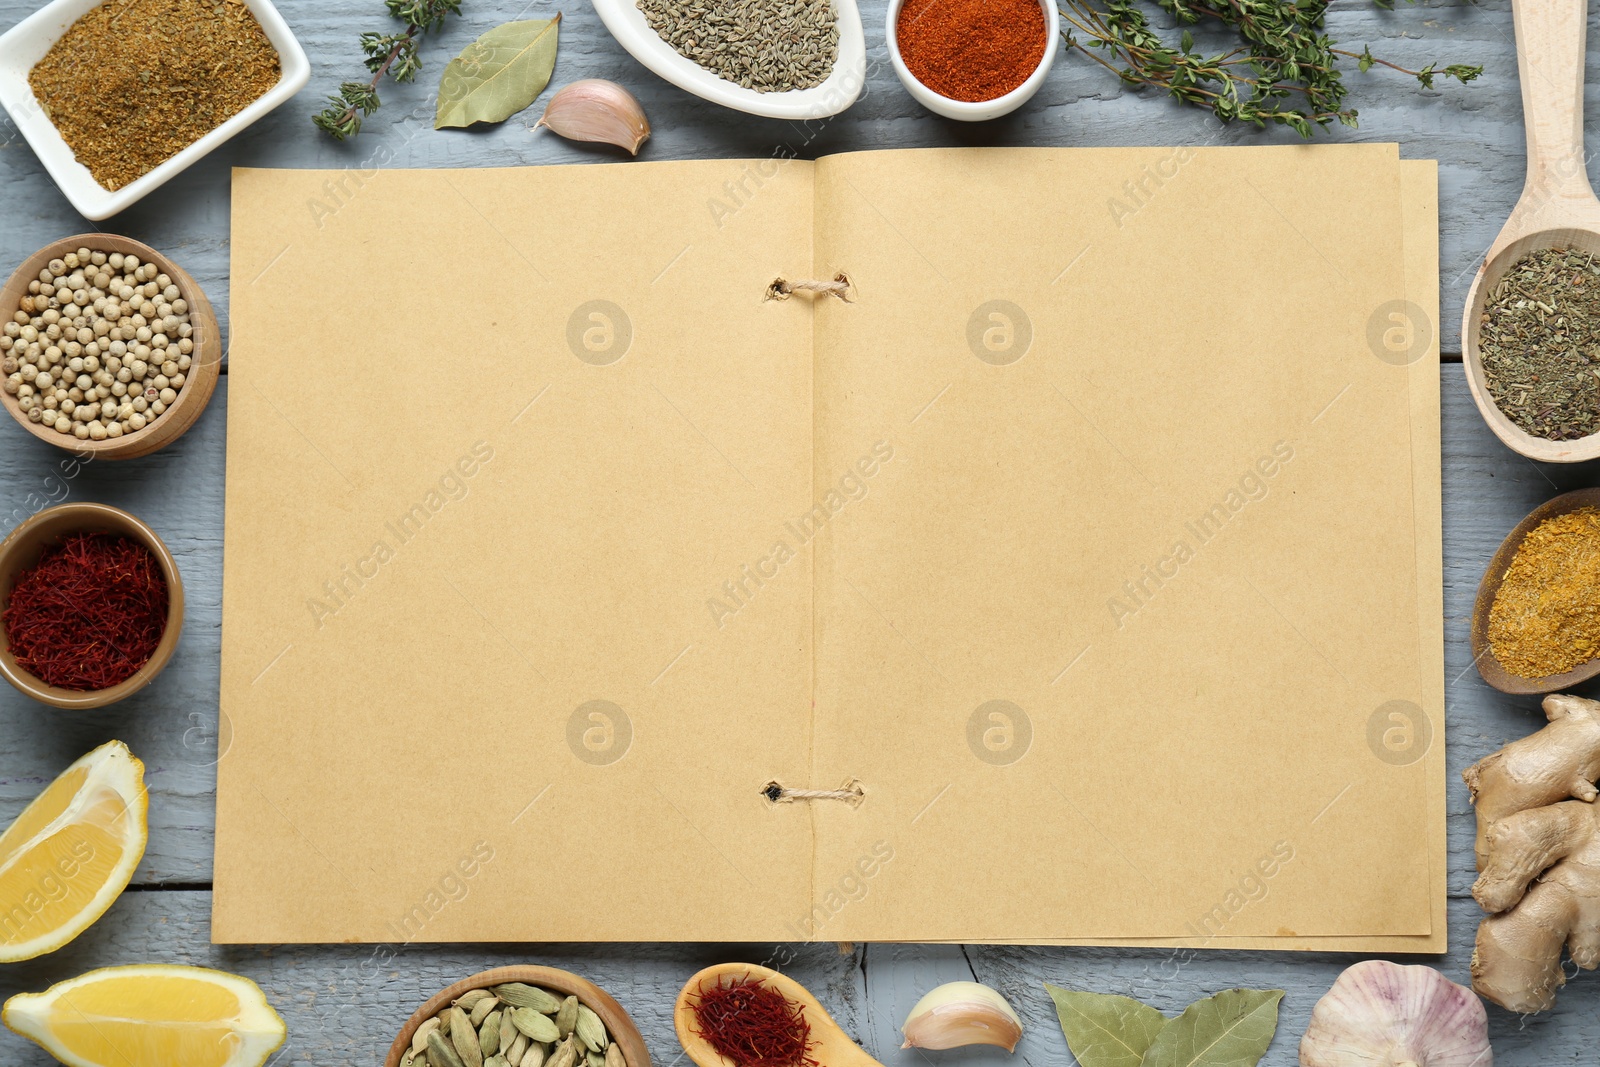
x: 627, y: 24
x: 30, y: 39
x: 983, y: 109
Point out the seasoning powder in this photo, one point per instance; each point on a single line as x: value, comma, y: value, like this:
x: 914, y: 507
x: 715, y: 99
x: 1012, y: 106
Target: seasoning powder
x: 972, y: 50
x: 770, y: 46
x: 1545, y: 619
x: 134, y: 82
x: 1539, y: 343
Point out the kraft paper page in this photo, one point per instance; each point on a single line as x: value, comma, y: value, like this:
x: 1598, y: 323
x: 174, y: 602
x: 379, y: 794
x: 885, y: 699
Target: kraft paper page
x: 634, y: 519
x: 1131, y: 555
x: 567, y: 417
x: 1405, y: 738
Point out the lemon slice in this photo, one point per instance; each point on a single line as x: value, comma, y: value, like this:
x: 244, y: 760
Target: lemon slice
x: 71, y: 852
x: 151, y: 1016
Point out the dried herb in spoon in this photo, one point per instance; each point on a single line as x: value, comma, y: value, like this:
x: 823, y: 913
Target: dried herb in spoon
x: 1539, y: 342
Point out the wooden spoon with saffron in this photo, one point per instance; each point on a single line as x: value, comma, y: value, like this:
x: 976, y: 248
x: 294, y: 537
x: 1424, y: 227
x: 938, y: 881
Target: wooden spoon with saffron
x: 831, y: 1046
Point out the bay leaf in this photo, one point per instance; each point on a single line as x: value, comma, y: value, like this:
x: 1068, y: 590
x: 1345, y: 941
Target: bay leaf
x: 1231, y: 1029
x: 499, y: 74
x: 1105, y: 1030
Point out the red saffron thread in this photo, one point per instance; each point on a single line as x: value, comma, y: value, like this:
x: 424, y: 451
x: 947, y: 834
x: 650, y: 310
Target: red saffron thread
x: 754, y: 1025
x: 89, y: 614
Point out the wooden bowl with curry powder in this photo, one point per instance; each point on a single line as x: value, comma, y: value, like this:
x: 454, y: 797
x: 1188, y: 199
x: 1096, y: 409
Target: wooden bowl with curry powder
x: 1489, y: 589
x: 200, y: 382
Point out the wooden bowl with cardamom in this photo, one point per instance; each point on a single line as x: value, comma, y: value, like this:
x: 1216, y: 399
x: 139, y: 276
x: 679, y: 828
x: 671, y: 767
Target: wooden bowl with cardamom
x: 1489, y: 588
x: 622, y: 1029
x: 199, y: 383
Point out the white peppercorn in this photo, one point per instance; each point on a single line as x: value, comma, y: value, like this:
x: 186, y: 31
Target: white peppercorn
x: 99, y: 347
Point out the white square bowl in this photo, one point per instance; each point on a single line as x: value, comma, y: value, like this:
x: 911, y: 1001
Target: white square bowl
x: 27, y: 43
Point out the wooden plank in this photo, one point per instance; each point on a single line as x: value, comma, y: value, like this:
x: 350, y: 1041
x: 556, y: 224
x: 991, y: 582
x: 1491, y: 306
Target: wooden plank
x: 1474, y: 131
x: 344, y: 1003
x: 340, y: 1005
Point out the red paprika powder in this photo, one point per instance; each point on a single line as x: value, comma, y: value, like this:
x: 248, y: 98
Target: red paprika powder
x: 971, y: 50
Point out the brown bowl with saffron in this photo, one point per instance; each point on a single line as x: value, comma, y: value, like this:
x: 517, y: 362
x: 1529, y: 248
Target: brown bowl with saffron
x: 190, y: 398
x: 37, y: 538
x: 1494, y: 578
x: 624, y: 1034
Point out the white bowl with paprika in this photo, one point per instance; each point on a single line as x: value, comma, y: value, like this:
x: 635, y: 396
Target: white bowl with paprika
x: 973, y: 60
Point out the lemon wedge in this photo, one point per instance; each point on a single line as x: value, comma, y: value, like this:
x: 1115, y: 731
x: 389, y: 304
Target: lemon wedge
x: 150, y: 1016
x: 71, y: 852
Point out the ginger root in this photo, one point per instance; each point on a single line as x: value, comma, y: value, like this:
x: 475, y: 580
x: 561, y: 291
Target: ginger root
x: 1538, y: 857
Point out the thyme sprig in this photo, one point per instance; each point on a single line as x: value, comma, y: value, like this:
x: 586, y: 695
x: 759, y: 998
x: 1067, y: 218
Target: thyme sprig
x: 1286, y: 72
x: 395, y: 54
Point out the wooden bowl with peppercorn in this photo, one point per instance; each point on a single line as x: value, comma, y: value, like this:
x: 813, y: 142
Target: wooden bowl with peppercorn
x: 1536, y: 643
x: 110, y: 617
x: 524, y: 1005
x: 160, y: 314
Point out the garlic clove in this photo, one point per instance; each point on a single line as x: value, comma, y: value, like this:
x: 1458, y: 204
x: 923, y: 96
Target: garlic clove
x: 1380, y: 1014
x: 962, y: 1013
x: 597, y: 110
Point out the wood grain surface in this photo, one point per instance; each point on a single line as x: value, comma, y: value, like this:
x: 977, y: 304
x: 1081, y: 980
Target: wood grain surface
x: 345, y: 1003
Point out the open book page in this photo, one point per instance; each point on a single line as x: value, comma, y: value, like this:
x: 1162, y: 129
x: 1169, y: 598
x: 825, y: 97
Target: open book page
x: 498, y: 441
x: 1411, y: 338
x: 1109, y: 631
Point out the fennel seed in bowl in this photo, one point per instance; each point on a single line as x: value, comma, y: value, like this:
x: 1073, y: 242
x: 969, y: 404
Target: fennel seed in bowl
x: 770, y: 46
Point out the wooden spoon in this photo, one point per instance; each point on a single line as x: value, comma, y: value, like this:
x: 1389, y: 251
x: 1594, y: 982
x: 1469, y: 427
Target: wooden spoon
x: 832, y: 1049
x: 1489, y: 588
x: 1558, y: 208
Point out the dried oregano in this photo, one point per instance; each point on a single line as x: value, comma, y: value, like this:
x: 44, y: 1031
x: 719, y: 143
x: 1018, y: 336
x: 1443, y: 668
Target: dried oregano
x: 1539, y: 344
x: 1285, y: 71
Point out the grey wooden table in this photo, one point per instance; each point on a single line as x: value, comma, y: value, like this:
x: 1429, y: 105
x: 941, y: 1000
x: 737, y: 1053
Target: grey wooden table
x: 342, y: 1003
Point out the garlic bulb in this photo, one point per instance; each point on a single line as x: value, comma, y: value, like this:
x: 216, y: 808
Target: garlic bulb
x: 1380, y: 1014
x: 962, y: 1013
x: 597, y: 110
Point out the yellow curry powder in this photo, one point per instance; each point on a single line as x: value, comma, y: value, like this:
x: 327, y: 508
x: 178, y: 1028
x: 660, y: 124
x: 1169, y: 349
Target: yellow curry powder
x: 134, y: 82
x: 1545, y: 619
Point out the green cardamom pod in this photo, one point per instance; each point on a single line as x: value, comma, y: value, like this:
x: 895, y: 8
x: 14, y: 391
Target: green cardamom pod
x: 535, y: 1055
x: 489, y: 1033
x: 419, y: 1040
x: 564, y: 1056
x: 567, y: 1016
x: 464, y: 1037
x: 440, y: 1054
x: 471, y: 998
x: 520, y: 995
x: 595, y: 1059
x: 536, y: 1025
x: 614, y: 1056
x: 508, y: 1037
x: 481, y: 1010
x: 495, y: 1061
x: 590, y: 1030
